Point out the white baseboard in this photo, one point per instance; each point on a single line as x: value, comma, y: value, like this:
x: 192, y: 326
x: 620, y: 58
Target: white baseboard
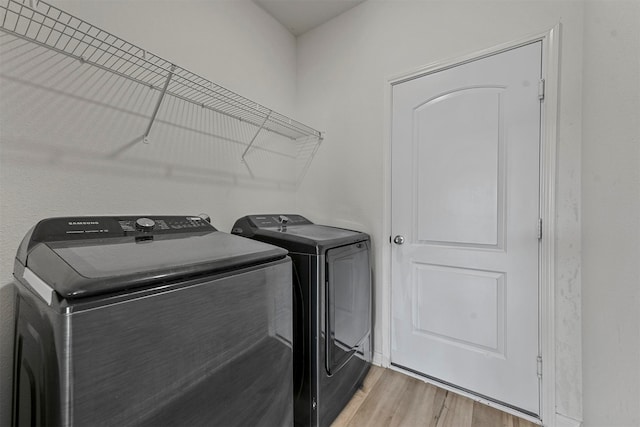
x: 564, y: 421
x: 380, y: 360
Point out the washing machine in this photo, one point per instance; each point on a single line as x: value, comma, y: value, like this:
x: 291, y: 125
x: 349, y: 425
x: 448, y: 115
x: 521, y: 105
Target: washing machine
x: 149, y: 321
x: 332, y: 310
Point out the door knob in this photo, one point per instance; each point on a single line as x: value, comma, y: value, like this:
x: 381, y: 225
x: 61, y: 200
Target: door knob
x: 398, y: 240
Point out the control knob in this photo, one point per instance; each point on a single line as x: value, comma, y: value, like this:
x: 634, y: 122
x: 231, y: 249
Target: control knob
x: 145, y: 224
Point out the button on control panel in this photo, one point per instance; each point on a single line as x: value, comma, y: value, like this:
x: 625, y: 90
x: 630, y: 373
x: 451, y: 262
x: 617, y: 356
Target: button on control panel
x: 188, y: 222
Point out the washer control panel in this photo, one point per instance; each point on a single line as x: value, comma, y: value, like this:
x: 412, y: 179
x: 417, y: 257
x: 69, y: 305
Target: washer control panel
x: 98, y: 227
x: 170, y: 224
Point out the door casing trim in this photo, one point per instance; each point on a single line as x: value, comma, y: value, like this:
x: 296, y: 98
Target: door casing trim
x: 549, y: 122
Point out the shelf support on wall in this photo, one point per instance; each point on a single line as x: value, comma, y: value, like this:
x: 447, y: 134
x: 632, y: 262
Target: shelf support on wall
x: 246, y: 150
x: 155, y: 110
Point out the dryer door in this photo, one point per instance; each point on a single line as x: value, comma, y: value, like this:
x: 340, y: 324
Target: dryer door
x: 348, y: 308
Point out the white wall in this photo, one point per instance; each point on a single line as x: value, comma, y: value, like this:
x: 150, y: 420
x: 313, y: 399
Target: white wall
x: 48, y: 167
x: 233, y: 43
x: 611, y: 214
x: 343, y: 70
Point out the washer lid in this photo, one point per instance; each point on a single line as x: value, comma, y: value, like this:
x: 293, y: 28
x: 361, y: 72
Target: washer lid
x: 113, y: 263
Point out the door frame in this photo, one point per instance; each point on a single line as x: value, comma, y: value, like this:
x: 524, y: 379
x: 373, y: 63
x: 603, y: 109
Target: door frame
x: 549, y: 119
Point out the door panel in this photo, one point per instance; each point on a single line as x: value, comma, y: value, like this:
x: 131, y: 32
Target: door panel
x: 459, y: 306
x: 465, y: 196
x: 457, y: 138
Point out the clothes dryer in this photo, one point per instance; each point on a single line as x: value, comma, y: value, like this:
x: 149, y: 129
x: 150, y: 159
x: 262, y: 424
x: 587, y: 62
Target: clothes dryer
x: 332, y: 310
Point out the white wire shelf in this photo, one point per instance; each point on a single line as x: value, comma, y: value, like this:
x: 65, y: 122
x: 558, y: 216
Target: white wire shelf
x: 52, y: 28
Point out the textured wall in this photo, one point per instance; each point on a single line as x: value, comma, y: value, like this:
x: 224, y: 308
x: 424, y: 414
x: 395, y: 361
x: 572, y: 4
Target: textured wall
x: 343, y: 70
x: 611, y: 212
x: 57, y: 146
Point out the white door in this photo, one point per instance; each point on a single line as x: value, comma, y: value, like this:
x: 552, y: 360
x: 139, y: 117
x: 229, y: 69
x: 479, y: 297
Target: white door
x: 465, y: 199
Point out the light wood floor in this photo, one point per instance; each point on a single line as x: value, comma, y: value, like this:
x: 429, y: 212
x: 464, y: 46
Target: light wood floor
x: 389, y: 398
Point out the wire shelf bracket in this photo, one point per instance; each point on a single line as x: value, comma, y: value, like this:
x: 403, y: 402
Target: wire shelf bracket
x: 145, y: 137
x: 246, y: 150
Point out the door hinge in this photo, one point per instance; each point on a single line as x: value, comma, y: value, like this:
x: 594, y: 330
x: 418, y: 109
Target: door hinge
x: 541, y: 89
x: 539, y: 368
x: 539, y: 228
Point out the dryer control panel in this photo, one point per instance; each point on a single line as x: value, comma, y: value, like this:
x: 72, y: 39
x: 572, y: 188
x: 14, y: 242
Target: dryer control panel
x: 276, y: 220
